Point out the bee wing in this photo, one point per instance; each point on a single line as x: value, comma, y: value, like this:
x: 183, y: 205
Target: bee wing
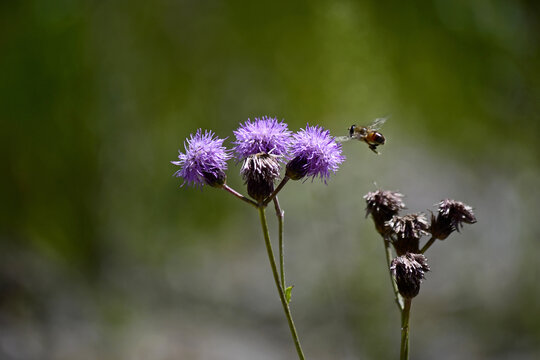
x: 377, y: 123
x: 342, y: 138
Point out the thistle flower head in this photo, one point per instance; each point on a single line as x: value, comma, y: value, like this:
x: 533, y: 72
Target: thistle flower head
x: 383, y: 205
x: 259, y: 171
x: 408, y: 230
x: 410, y: 226
x: 205, y: 160
x: 451, y: 216
x: 384, y: 202
x: 409, y: 271
x: 314, y: 153
x: 264, y: 135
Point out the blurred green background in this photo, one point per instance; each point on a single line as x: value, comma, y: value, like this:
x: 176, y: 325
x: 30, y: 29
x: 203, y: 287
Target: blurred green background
x: 103, y: 256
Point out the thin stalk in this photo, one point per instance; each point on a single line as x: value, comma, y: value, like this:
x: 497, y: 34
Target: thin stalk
x: 404, y: 353
x: 279, y: 214
x: 238, y: 195
x: 281, y: 291
x: 277, y: 190
x: 428, y: 244
x: 389, y: 256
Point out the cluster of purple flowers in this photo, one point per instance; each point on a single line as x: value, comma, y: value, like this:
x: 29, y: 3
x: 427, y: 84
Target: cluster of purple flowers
x: 262, y: 144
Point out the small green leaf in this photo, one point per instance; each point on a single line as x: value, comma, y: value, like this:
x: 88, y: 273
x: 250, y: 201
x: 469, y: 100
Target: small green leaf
x: 288, y: 292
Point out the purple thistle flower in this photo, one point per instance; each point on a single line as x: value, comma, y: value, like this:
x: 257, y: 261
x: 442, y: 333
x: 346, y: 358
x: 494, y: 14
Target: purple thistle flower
x: 205, y: 160
x: 264, y: 135
x: 314, y: 153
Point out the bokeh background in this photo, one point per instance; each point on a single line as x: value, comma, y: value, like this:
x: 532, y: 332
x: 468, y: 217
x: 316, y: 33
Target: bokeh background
x: 104, y: 256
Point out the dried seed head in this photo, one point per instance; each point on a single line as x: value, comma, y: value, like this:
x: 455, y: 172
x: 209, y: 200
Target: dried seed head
x: 451, y: 216
x: 410, y: 226
x: 259, y: 172
x: 383, y: 205
x: 387, y: 203
x: 407, y: 231
x: 409, y: 271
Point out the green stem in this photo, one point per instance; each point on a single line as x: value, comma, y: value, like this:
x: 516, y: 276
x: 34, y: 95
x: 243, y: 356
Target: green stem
x: 281, y: 291
x: 279, y: 214
x: 428, y: 244
x: 389, y: 256
x: 277, y: 190
x: 404, y: 353
x: 238, y: 195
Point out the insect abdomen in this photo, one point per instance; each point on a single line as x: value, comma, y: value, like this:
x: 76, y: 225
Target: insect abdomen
x: 376, y: 138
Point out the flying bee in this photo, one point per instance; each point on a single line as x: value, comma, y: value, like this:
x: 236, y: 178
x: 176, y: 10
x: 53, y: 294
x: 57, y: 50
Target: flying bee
x: 368, y: 134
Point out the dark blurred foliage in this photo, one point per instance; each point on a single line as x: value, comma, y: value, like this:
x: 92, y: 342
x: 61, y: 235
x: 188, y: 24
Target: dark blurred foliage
x: 96, y: 97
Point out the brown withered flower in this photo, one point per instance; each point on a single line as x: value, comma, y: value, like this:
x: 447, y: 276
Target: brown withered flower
x: 407, y: 231
x: 409, y: 271
x: 259, y: 171
x: 383, y: 205
x: 450, y: 216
